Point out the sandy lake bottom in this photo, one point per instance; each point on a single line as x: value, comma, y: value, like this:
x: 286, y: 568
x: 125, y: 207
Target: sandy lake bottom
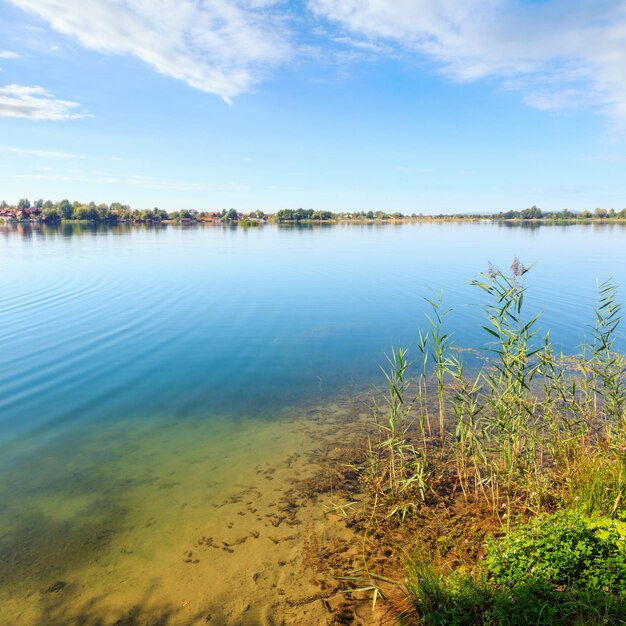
x: 218, y: 522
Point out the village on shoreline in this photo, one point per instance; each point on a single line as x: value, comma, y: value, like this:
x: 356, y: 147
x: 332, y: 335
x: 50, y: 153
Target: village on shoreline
x: 49, y: 212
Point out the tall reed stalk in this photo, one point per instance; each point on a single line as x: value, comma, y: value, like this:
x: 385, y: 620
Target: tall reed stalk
x: 508, y: 380
x: 439, y: 342
x: 395, y: 464
x: 607, y: 366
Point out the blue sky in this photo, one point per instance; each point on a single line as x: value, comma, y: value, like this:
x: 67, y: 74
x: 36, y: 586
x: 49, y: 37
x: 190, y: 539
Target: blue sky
x: 411, y: 105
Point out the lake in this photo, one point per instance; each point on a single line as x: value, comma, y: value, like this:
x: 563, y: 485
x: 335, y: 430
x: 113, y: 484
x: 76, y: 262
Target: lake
x: 161, y: 386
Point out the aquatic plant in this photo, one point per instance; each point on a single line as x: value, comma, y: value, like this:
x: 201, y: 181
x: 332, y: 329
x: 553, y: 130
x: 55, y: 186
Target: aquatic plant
x: 438, y: 342
x: 395, y: 464
x: 531, y: 432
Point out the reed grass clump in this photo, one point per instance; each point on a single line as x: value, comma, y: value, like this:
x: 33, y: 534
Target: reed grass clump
x: 531, y: 427
x: 531, y: 432
x: 395, y: 468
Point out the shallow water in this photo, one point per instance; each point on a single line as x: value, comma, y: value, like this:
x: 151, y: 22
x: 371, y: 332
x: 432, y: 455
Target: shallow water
x: 115, y: 522
x: 150, y: 375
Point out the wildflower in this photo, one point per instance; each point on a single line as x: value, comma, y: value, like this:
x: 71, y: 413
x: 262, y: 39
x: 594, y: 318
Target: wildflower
x: 510, y: 583
x: 606, y: 589
x: 512, y: 599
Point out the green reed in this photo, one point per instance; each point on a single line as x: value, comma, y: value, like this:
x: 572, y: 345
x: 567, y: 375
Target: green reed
x: 395, y: 464
x: 422, y: 387
x: 438, y: 342
x: 607, y: 366
x: 470, y: 453
x: 530, y: 430
x: 509, y: 379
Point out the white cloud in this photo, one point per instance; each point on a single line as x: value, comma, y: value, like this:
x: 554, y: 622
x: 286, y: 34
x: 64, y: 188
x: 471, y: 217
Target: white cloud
x: 44, y: 154
x: 129, y: 179
x: 555, y: 53
x: 364, y: 44
x: 219, y: 46
x: 7, y: 54
x: 36, y: 103
x: 558, y: 53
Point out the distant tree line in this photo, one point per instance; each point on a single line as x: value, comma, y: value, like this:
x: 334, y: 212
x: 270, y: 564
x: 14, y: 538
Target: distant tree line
x: 535, y: 213
x: 299, y: 215
x: 51, y: 212
x: 531, y: 213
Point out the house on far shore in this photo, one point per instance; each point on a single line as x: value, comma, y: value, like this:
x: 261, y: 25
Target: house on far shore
x: 11, y: 214
x: 8, y: 215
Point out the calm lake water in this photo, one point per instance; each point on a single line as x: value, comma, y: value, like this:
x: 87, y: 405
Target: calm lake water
x: 142, y: 343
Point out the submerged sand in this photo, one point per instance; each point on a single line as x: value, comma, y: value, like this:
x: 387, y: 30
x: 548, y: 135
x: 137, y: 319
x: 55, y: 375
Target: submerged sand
x: 216, y: 522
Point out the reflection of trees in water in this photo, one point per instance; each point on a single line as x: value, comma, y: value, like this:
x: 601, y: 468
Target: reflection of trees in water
x: 70, y: 229
x: 30, y: 230
x: 528, y: 225
x: 562, y: 225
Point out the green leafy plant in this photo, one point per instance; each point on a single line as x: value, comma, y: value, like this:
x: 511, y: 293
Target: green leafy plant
x: 558, y: 569
x: 565, y: 550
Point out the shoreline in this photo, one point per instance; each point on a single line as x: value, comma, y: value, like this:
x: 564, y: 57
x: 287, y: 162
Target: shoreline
x: 314, y: 222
